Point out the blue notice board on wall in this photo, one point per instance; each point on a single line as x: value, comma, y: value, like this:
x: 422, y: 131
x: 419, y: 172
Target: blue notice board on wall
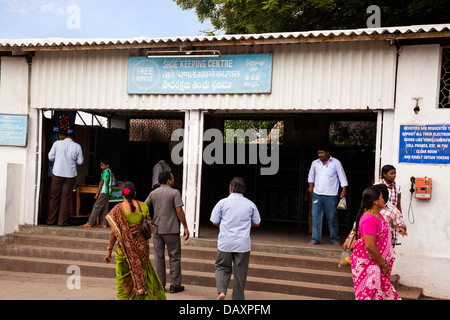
x: 428, y: 144
x: 13, y: 129
x: 236, y: 73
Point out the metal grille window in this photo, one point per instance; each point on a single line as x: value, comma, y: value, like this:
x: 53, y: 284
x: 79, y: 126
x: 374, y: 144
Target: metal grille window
x: 153, y: 130
x: 444, y: 94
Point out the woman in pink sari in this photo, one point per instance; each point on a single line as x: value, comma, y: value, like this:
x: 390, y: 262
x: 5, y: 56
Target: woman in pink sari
x: 373, y: 253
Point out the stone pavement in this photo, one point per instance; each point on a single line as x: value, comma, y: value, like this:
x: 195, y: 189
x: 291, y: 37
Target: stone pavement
x: 36, y: 286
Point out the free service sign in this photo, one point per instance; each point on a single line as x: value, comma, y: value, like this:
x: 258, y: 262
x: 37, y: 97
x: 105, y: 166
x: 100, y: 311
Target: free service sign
x: 425, y: 144
x: 237, y: 73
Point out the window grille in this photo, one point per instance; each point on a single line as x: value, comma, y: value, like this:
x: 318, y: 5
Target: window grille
x: 444, y: 93
x: 153, y: 130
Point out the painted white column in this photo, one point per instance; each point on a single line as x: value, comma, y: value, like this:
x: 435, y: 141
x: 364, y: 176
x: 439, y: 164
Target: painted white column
x: 12, y: 197
x: 192, y: 168
x: 3, y: 184
x: 14, y: 165
x: 423, y: 258
x: 385, y: 141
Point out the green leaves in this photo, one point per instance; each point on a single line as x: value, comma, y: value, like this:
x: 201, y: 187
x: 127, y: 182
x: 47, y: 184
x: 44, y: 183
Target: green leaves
x: 256, y: 16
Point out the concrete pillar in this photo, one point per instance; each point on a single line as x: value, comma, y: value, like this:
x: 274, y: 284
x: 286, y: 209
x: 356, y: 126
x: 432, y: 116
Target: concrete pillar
x: 192, y: 168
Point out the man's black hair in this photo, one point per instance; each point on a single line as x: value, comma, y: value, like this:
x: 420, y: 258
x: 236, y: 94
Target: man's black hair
x: 323, y: 148
x: 163, y: 177
x: 237, y: 185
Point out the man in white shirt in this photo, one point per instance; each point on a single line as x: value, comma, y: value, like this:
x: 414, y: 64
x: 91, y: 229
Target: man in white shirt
x: 235, y: 216
x: 324, y: 177
x: 65, y: 154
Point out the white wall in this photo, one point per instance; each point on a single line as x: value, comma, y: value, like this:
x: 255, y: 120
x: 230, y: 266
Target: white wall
x: 13, y: 160
x: 423, y: 259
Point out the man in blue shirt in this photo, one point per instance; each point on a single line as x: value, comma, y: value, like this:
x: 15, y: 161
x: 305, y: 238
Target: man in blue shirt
x: 324, y: 177
x: 65, y: 155
x: 234, y: 215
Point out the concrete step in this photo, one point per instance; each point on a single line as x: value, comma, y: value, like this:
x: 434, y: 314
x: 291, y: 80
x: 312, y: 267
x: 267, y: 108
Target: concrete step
x: 100, y: 233
x: 202, y: 253
x: 296, y: 288
x: 32, y: 286
x: 71, y: 231
x: 410, y: 293
x: 188, y: 263
x: 303, y: 250
x: 52, y: 266
x: 56, y: 253
x: 38, y: 240
x: 192, y: 275
x: 303, y: 270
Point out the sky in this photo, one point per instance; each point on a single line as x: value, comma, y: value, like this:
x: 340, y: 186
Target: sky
x: 82, y: 19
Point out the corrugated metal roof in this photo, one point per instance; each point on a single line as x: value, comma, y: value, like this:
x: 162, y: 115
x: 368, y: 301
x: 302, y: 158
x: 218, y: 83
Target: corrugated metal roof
x: 423, y: 31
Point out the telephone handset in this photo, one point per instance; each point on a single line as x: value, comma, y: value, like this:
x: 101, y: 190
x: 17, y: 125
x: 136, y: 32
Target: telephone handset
x: 410, y: 209
x: 413, y: 180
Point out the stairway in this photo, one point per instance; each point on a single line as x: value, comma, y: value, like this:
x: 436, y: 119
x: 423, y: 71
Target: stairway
x: 296, y: 271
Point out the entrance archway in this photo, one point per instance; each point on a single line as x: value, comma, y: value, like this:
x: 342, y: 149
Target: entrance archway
x: 130, y: 140
x: 280, y: 198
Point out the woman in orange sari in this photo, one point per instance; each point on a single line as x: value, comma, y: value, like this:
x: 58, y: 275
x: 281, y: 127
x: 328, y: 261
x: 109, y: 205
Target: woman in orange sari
x: 135, y: 275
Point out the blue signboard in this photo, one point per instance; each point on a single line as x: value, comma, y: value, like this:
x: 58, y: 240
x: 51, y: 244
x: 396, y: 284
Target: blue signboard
x: 13, y: 129
x: 237, y: 73
x: 425, y: 144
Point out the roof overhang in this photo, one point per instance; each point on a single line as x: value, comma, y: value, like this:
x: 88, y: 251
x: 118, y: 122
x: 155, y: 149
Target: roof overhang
x: 20, y: 46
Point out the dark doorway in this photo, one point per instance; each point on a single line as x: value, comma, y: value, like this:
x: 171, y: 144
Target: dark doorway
x: 131, y: 141
x: 280, y: 198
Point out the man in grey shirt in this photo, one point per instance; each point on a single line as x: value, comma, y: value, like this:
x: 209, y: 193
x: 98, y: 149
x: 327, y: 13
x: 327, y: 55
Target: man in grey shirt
x: 167, y: 205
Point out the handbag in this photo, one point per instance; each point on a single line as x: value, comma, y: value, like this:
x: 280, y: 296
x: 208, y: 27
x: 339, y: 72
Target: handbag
x: 351, y: 238
x: 147, y: 227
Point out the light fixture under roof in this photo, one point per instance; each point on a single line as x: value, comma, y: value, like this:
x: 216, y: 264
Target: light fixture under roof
x: 183, y: 53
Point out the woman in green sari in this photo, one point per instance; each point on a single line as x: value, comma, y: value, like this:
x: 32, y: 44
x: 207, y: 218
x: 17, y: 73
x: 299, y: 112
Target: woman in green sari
x: 135, y: 275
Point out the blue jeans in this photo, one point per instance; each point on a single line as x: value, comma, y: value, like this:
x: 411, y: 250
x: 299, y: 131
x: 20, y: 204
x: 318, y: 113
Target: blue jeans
x: 319, y: 205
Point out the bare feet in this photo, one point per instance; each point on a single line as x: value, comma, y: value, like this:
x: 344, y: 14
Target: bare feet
x: 86, y: 225
x: 221, y: 296
x: 312, y: 243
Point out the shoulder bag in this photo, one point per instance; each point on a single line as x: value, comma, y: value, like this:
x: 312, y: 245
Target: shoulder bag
x: 147, y: 227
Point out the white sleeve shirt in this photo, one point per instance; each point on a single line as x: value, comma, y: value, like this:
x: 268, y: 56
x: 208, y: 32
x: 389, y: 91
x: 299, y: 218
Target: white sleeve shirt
x: 236, y: 214
x: 65, y: 154
x: 326, y: 178
x: 157, y: 169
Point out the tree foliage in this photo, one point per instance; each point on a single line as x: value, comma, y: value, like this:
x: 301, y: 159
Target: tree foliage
x: 257, y: 125
x: 263, y: 16
x: 353, y: 133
